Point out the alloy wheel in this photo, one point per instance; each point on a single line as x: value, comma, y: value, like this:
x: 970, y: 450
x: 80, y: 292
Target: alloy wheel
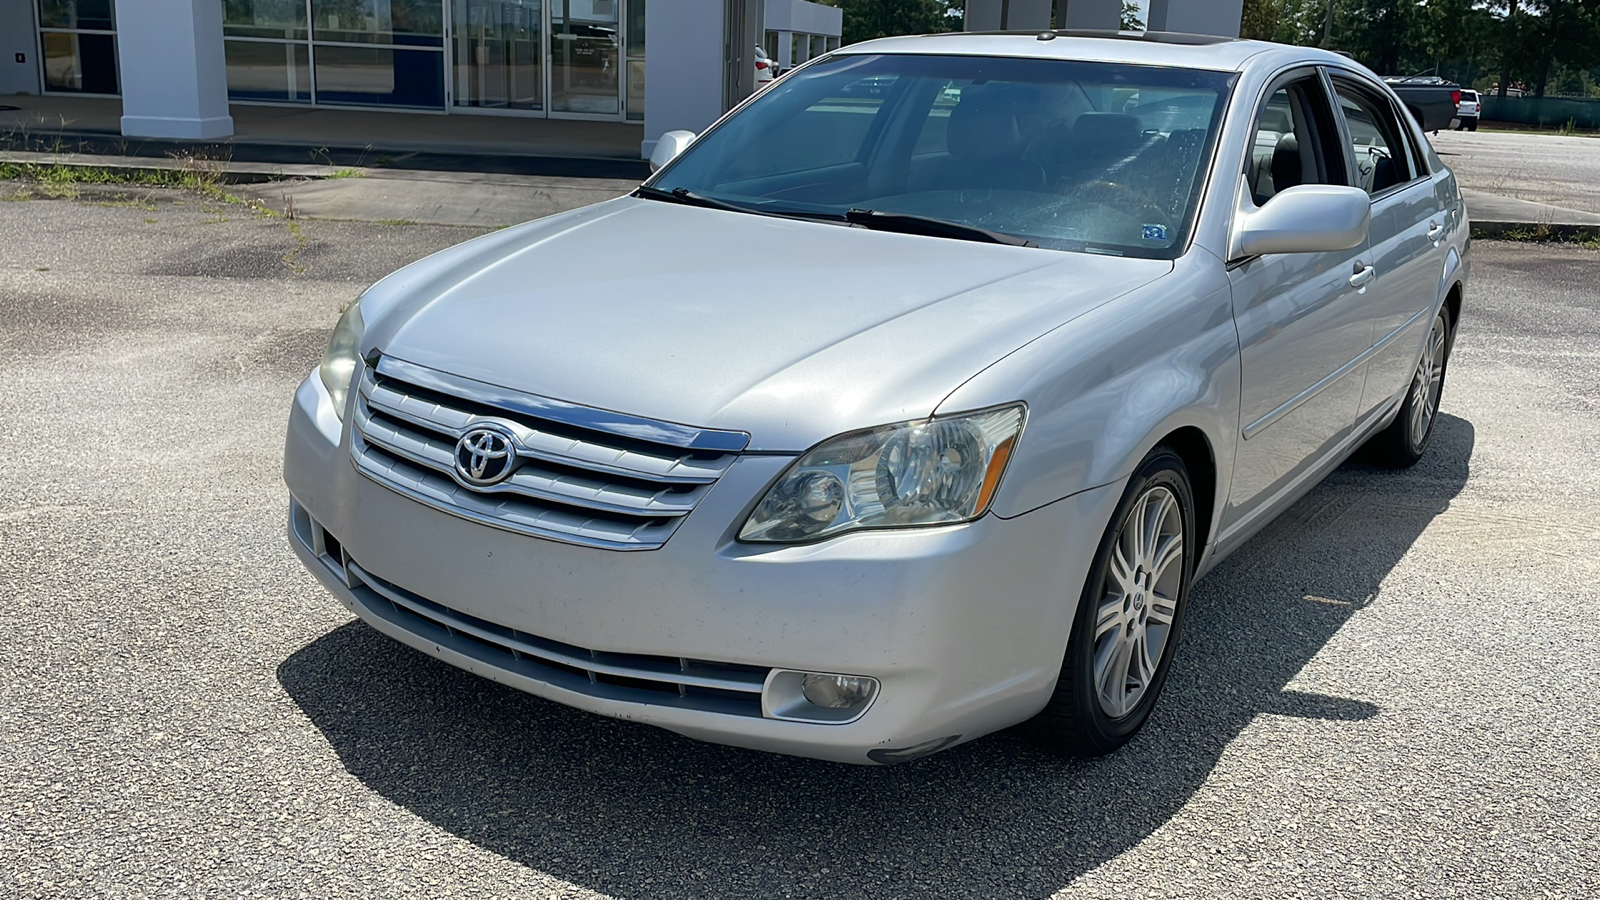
x: 1428, y: 382
x: 1139, y: 601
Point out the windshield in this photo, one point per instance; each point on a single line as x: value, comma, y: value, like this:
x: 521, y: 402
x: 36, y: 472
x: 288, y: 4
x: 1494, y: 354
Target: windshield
x: 1078, y: 156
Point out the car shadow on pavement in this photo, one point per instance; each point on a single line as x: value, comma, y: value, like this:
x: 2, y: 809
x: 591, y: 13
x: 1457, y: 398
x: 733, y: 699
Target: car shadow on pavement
x: 637, y: 812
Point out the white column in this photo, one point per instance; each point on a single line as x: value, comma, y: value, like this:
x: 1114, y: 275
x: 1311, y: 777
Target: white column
x: 174, y: 80
x: 685, y: 68
x: 1218, y: 17
x: 18, y: 37
x: 1007, y: 15
x: 1094, y: 15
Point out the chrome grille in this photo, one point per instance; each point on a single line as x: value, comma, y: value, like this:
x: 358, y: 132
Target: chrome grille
x: 584, y: 476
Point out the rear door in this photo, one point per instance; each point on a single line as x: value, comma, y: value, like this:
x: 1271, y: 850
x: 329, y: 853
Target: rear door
x: 1406, y: 235
x: 1302, y: 325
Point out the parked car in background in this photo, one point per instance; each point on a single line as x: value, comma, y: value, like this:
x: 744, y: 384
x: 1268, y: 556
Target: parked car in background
x: 1431, y: 100
x: 1467, y: 111
x: 1050, y: 325
x: 766, y: 67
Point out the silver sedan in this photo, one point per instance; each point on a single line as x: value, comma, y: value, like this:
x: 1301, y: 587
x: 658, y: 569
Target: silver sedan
x: 1045, y: 327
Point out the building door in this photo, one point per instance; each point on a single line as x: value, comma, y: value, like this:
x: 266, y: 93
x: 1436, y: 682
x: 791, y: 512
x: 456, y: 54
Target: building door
x: 78, y: 46
x: 498, y: 48
x: 585, y: 58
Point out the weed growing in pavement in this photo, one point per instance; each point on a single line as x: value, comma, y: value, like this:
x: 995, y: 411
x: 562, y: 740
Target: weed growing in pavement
x: 346, y: 173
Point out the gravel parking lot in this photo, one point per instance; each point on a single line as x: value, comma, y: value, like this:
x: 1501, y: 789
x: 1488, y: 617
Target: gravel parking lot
x: 1393, y: 691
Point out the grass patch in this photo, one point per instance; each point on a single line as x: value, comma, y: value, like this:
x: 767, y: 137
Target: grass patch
x: 346, y: 173
x: 397, y: 222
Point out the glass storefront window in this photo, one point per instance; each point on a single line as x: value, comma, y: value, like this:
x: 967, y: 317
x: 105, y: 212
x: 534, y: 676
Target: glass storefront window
x: 379, y: 76
x: 82, y: 63
x: 264, y: 19
x: 86, y: 15
x: 79, y: 43
x: 268, y: 70
x: 416, y: 23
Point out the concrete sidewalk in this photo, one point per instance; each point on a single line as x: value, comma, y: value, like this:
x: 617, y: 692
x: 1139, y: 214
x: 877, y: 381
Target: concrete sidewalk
x: 342, y: 138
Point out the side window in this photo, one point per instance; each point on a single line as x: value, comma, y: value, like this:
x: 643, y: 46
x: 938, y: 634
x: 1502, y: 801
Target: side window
x: 1375, y: 142
x: 1294, y: 142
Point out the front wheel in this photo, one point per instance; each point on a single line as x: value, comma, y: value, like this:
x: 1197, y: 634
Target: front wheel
x: 1130, y: 615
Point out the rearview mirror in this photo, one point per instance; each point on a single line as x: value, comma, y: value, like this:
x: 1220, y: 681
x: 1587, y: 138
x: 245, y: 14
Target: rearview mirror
x: 1310, y: 218
x: 668, y: 148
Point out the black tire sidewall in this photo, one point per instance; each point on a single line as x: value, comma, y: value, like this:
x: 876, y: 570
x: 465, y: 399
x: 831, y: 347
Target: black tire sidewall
x: 1161, y: 468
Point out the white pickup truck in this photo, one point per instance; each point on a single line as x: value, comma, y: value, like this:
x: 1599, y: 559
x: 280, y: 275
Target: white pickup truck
x: 1467, y: 111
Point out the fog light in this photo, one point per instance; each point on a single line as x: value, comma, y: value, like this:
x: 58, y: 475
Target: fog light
x: 838, y: 691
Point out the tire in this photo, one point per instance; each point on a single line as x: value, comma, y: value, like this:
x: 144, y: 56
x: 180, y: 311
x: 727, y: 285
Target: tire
x: 1473, y: 126
x: 1402, y: 444
x: 1081, y: 719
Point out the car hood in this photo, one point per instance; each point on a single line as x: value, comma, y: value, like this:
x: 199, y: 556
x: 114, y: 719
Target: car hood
x: 790, y: 330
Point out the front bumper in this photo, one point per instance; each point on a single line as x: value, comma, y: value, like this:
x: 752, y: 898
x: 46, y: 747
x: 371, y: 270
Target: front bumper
x: 963, y: 626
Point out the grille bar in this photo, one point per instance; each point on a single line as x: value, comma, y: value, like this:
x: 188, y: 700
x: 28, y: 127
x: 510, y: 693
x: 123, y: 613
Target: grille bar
x: 716, y: 687
x: 437, y: 454
x: 532, y: 442
x: 580, y: 475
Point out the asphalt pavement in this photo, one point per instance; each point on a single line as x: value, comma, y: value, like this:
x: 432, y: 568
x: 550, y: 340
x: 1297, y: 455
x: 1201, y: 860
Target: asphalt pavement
x: 1391, y: 692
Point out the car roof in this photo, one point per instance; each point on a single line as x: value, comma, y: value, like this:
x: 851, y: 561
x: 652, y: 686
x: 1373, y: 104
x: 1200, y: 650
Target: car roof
x: 1151, y: 48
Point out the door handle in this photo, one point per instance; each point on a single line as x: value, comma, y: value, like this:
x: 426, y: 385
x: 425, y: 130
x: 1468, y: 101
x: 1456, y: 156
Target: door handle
x: 1435, y: 230
x: 1363, y: 275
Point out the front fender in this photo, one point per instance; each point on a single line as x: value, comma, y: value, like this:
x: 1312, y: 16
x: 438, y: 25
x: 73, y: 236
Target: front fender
x: 1103, y: 389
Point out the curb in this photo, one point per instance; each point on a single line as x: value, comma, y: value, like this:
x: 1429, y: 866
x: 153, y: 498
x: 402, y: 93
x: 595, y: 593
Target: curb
x: 225, y: 172
x: 1535, y: 231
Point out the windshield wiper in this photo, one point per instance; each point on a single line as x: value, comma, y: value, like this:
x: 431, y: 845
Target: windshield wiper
x: 903, y: 223
x: 690, y: 198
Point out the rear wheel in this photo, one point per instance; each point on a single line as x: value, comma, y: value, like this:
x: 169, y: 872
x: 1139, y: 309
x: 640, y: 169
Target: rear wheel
x: 1130, y: 615
x: 1407, y: 437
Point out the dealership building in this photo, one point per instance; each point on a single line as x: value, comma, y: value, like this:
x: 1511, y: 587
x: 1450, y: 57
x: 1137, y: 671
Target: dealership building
x: 178, y: 65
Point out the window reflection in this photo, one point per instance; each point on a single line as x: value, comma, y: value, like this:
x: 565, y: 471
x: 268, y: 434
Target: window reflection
x: 264, y: 18
x: 408, y: 22
x: 92, y: 15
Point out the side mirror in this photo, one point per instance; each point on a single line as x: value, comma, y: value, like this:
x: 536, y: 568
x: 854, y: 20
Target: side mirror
x: 1310, y: 218
x: 668, y: 148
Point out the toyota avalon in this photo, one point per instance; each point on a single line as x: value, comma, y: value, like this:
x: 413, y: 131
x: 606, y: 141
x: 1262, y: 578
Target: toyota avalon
x: 1048, y: 325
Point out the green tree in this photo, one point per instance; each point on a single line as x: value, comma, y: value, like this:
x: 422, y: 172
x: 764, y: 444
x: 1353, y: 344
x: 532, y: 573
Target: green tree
x: 1130, y: 17
x: 868, y: 19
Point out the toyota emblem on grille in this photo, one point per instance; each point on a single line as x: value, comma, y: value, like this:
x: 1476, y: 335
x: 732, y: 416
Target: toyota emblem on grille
x: 484, y: 456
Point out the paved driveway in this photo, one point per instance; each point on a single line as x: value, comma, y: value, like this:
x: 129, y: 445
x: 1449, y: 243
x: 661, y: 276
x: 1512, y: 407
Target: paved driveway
x: 1547, y: 168
x: 1393, y: 691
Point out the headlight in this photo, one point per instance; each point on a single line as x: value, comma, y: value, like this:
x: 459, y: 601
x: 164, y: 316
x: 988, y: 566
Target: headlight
x: 929, y: 472
x: 344, y: 354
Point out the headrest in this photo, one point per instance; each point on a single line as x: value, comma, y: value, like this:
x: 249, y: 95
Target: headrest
x: 1278, y: 120
x: 981, y: 129
x: 1109, y: 130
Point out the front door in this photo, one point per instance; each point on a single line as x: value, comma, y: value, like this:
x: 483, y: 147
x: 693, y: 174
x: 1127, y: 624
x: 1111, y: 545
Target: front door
x: 499, y: 53
x: 1302, y: 329
x: 585, y: 57
x: 561, y: 58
